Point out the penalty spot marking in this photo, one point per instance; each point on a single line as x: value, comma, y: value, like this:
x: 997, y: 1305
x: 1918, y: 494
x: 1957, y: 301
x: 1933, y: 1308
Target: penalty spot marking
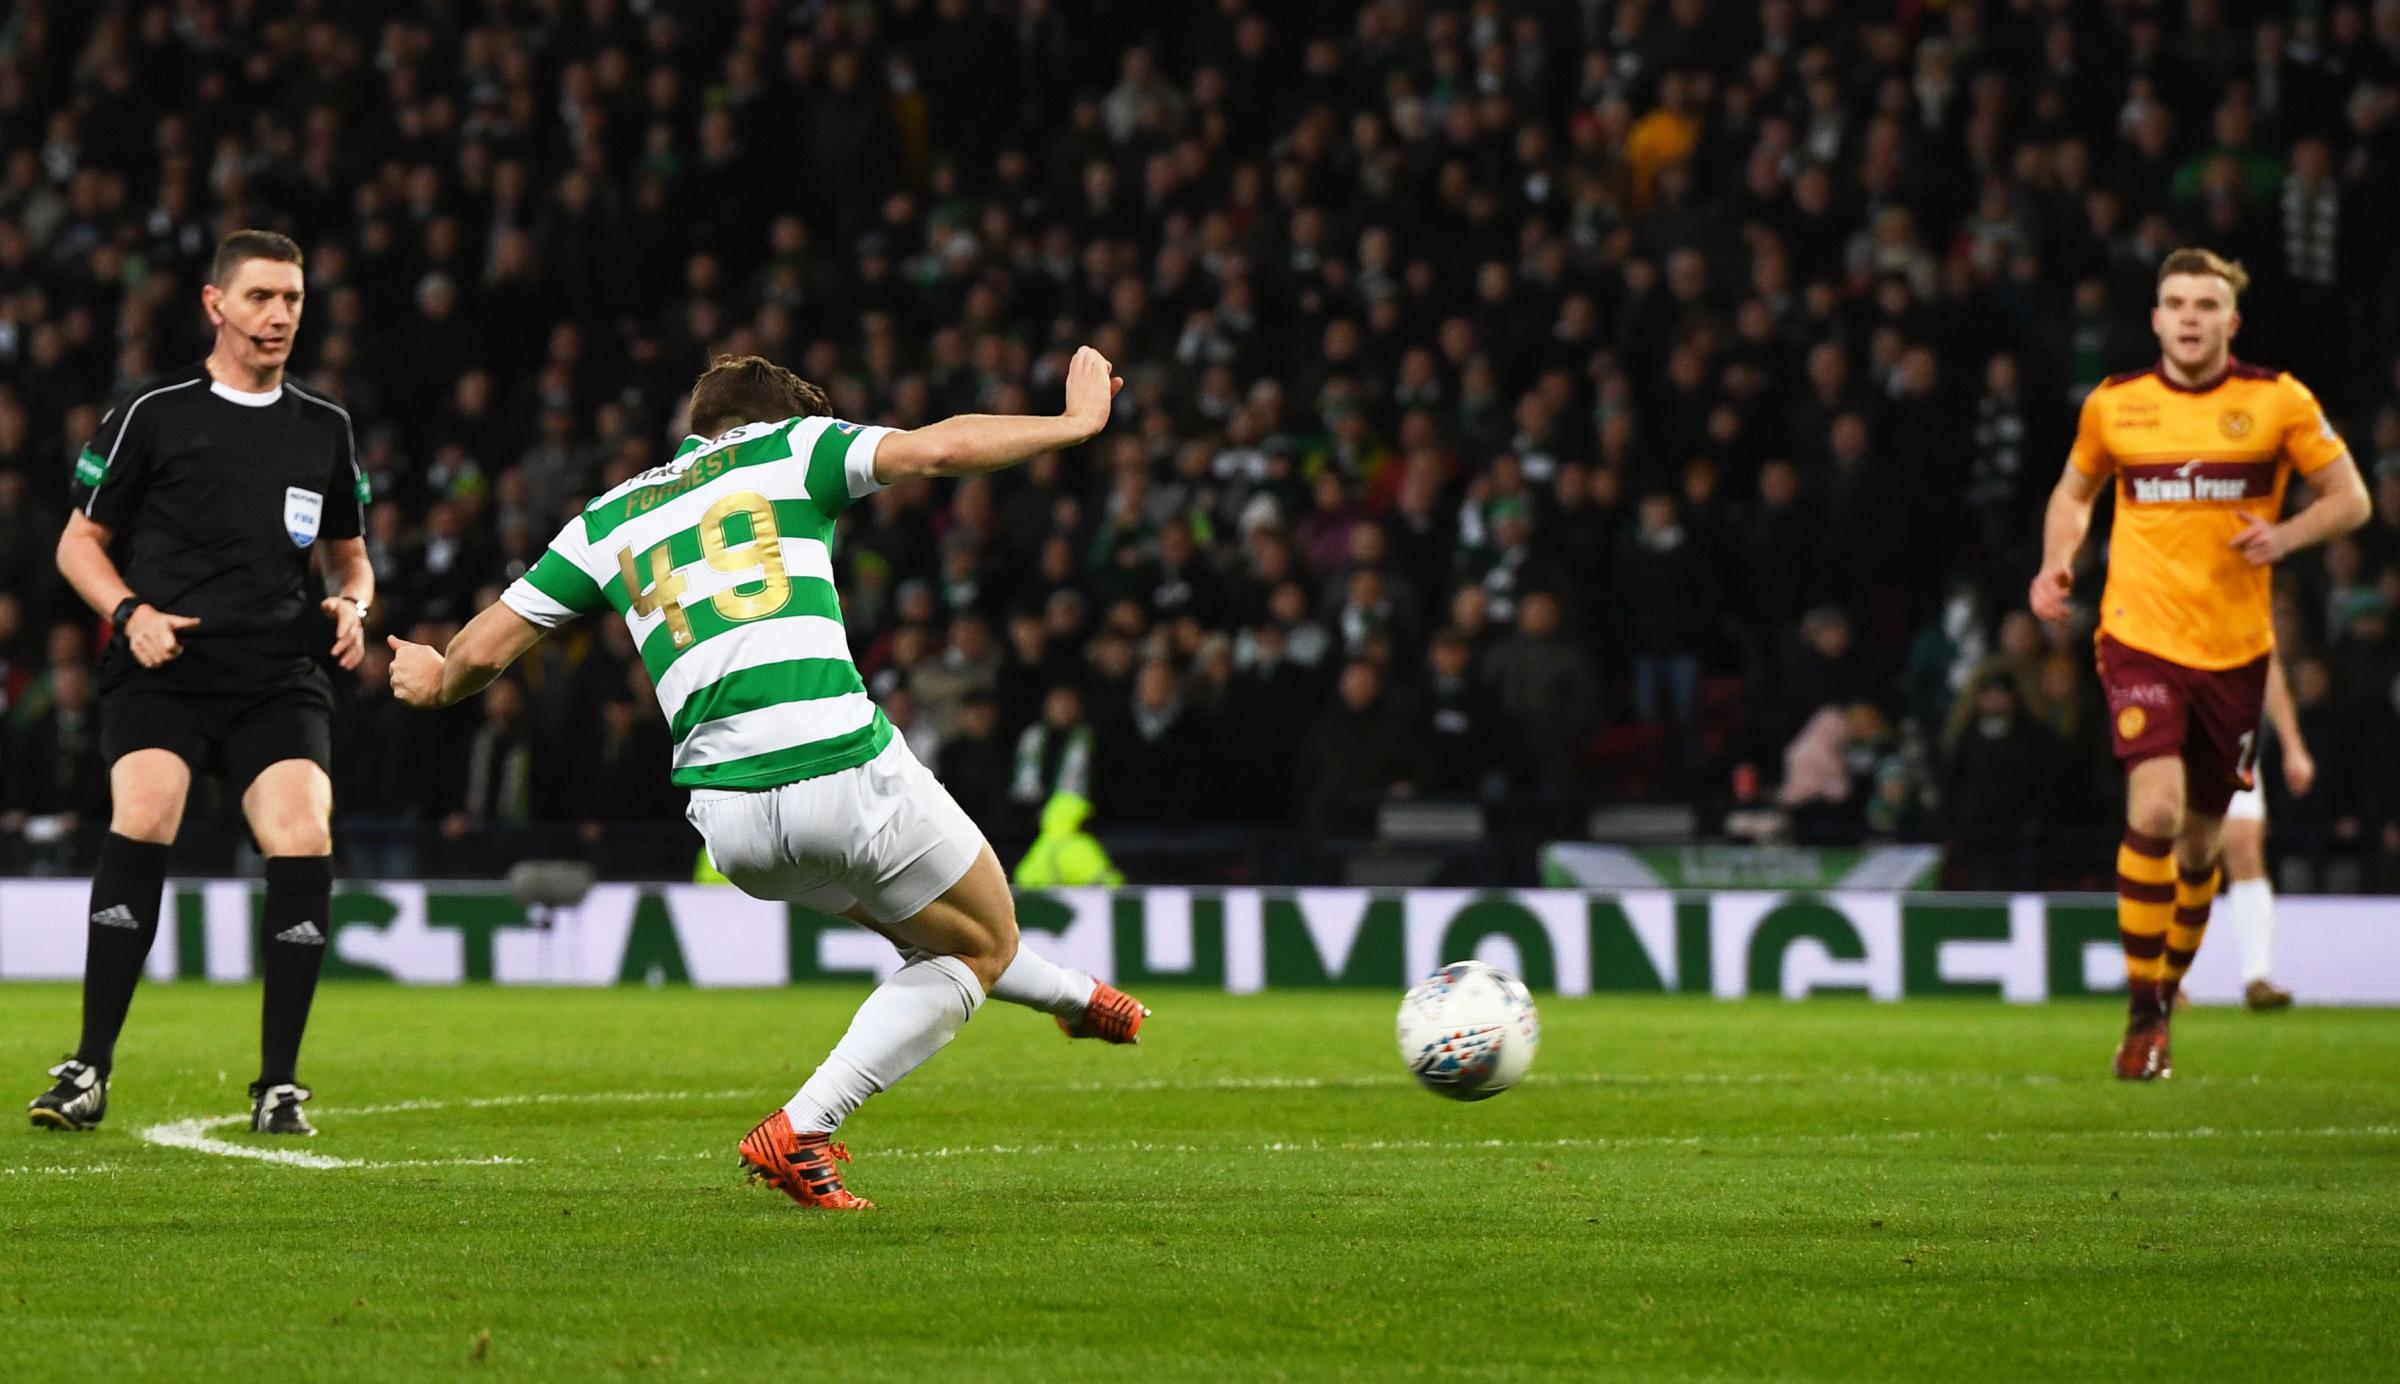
x: 200, y: 1136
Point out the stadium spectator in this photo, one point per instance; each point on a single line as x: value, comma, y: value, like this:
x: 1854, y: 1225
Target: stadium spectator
x: 489, y: 787
x: 1150, y: 768
x: 618, y: 784
x: 16, y: 673
x: 976, y: 763
x: 1549, y: 693
x: 54, y: 765
x: 1826, y: 671
x: 1997, y: 783
x: 1054, y: 754
x: 1357, y: 753
x: 380, y: 770
x: 1833, y: 281
x: 1462, y: 725
x: 1668, y: 587
x: 1258, y: 719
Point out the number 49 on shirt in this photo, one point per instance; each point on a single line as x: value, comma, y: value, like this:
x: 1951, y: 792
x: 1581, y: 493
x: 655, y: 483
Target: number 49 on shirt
x: 750, y: 600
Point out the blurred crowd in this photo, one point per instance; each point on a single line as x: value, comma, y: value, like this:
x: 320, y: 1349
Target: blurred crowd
x: 1543, y: 404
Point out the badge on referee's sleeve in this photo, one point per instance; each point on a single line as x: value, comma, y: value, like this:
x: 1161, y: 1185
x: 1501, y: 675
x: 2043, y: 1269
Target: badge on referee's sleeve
x: 302, y: 511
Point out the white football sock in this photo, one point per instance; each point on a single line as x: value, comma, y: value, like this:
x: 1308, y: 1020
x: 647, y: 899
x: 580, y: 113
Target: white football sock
x: 2250, y: 905
x: 1036, y: 982
x: 907, y: 1020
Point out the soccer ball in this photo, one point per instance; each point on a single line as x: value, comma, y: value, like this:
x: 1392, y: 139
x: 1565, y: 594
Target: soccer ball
x: 1468, y: 1031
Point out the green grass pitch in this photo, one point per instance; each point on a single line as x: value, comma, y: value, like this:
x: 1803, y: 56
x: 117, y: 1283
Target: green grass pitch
x: 1681, y: 1189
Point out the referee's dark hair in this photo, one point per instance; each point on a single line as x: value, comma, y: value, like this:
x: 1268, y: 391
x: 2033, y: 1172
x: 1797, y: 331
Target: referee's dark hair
x: 241, y: 246
x: 751, y: 389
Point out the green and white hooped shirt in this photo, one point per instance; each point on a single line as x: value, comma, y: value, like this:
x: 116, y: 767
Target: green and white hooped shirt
x: 721, y: 564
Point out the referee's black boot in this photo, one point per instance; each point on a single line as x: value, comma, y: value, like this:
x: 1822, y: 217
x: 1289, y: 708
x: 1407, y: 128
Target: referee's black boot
x: 276, y: 1110
x: 78, y: 1101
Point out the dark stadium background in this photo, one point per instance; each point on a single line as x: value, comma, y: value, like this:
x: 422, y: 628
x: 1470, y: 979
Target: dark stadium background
x: 1542, y: 406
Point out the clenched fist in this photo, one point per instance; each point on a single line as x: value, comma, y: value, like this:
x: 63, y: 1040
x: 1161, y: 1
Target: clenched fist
x: 416, y: 674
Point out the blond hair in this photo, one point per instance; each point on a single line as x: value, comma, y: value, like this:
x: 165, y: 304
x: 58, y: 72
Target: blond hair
x: 2194, y: 259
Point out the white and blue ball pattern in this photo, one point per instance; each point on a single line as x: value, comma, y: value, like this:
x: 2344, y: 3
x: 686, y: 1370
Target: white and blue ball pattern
x: 1468, y: 1031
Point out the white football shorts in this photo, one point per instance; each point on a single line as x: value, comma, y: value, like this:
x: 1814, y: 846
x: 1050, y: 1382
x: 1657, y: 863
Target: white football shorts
x: 884, y: 833
x: 2249, y: 804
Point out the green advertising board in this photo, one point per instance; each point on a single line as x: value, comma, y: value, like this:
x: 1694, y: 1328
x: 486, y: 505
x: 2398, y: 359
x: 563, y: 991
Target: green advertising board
x: 1730, y: 944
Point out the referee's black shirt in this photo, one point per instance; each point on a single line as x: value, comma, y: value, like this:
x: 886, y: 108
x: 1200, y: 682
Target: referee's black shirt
x: 215, y: 498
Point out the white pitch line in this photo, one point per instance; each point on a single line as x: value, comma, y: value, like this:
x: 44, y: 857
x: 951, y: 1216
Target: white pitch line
x: 1629, y: 1080
x: 535, y: 1098
x: 1899, y: 1136
x: 198, y: 1136
x: 58, y: 1170
x: 195, y: 1135
x: 1669, y: 1079
x: 1602, y: 1142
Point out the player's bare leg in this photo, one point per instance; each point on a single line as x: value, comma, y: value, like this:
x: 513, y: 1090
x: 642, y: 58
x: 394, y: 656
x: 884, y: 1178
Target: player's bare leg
x: 1083, y: 1005
x: 2146, y: 888
x: 147, y: 789
x: 967, y: 937
x: 2250, y: 907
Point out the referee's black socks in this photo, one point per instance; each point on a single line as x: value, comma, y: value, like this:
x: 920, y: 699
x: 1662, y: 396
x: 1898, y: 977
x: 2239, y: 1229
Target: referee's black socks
x: 124, y: 922
x: 294, y: 928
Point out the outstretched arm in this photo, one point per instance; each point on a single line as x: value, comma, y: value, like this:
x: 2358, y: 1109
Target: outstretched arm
x: 2064, y: 524
x: 973, y: 443
x: 429, y: 681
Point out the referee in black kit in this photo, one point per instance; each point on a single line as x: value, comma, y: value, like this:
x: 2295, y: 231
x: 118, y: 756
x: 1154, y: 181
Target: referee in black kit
x: 197, y: 508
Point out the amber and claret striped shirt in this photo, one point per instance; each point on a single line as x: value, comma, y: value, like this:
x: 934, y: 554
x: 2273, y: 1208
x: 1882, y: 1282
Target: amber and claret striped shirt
x: 2189, y: 463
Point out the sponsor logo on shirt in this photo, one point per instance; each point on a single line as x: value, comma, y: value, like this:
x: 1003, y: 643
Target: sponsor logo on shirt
x: 2198, y: 482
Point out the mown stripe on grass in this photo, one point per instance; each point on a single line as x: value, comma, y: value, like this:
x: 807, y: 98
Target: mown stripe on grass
x: 1638, y: 1141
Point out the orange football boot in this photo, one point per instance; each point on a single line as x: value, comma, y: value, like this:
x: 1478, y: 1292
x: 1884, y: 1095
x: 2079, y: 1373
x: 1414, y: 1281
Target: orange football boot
x: 2143, y: 1056
x: 799, y: 1165
x: 1111, y: 1015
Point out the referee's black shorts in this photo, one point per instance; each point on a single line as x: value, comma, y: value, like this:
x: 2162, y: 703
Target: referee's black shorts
x: 237, y: 734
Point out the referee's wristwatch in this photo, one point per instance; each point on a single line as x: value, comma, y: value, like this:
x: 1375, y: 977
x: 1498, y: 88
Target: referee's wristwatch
x: 125, y: 610
x: 362, y: 606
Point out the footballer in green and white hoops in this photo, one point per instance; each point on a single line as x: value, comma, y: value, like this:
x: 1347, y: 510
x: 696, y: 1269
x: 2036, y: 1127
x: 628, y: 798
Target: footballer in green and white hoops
x: 720, y: 562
